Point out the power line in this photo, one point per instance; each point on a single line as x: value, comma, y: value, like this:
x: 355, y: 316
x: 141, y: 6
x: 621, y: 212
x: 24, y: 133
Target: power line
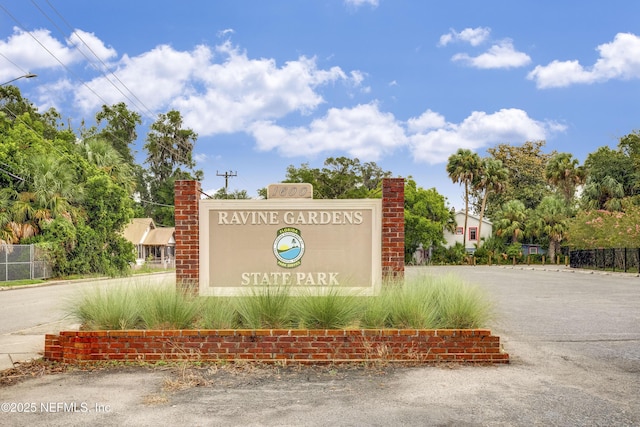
x: 105, y: 67
x: 176, y: 153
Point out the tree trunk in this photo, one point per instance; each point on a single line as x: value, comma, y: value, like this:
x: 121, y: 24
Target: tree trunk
x: 466, y: 215
x: 482, y: 206
x: 552, y: 249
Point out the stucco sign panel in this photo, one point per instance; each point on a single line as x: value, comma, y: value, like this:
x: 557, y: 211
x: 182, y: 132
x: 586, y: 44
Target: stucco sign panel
x: 299, y: 243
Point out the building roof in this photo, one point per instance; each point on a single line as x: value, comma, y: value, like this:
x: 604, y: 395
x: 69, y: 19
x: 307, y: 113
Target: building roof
x: 143, y: 231
x: 476, y: 217
x: 162, y: 236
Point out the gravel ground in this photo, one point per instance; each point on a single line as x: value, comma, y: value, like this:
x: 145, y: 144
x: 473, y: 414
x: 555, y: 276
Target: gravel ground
x: 575, y: 361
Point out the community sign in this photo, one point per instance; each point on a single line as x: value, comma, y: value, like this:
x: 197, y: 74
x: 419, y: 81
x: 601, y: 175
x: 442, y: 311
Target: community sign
x: 297, y: 242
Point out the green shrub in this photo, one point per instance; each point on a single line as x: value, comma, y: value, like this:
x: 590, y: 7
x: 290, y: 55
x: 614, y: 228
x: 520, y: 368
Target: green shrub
x: 481, y: 256
x: 454, y: 255
x: 514, y: 250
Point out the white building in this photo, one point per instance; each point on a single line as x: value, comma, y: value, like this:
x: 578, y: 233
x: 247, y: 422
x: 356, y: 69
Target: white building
x: 153, y: 244
x: 471, y: 232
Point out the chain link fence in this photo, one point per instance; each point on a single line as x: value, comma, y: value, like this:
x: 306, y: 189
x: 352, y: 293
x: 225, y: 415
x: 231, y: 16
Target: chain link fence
x: 23, y: 262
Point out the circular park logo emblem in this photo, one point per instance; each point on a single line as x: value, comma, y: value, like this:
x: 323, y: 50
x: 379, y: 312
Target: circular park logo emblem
x: 288, y: 247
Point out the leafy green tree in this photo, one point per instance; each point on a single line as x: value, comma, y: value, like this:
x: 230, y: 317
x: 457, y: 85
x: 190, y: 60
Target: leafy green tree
x: 526, y: 181
x: 46, y: 176
x: 565, y: 174
x: 611, y: 177
x: 510, y: 221
x: 14, y: 105
x: 491, y: 178
x: 630, y: 146
x: 426, y: 216
x: 340, y: 178
x: 119, y: 129
x: 108, y: 212
x: 169, y: 148
x: 464, y: 167
x: 222, y: 193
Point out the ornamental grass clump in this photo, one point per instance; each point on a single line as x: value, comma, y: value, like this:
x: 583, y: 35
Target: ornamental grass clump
x: 411, y: 305
x: 165, y: 307
x: 328, y: 309
x: 266, y: 307
x: 425, y: 302
x: 217, y: 313
x: 460, y: 305
x: 107, y: 308
x: 375, y: 313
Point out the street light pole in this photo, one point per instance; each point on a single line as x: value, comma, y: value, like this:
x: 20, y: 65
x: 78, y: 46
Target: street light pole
x: 26, y: 76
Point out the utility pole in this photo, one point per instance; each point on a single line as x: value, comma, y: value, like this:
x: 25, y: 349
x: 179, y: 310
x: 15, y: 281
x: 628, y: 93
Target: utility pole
x: 227, y: 175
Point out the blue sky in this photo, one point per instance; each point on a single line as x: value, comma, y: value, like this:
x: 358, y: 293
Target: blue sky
x: 403, y: 83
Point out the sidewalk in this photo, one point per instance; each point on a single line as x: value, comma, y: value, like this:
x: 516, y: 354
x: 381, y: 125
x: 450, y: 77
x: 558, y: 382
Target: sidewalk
x: 28, y: 344
x: 23, y: 345
x: 19, y: 348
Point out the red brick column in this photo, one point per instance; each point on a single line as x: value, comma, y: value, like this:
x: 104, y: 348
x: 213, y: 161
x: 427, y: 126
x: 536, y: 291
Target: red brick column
x: 392, y: 228
x: 187, y: 195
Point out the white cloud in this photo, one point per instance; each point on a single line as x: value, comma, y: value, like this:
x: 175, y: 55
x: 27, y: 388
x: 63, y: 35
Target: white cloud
x: 225, y: 32
x: 358, y: 3
x: 156, y: 77
x: 619, y: 59
x: 368, y: 133
x: 473, y: 36
x: 501, y: 55
x: 217, y: 92
x: 363, y: 131
x: 434, y: 145
x: 91, y: 47
x: 201, y: 158
x: 34, y: 51
x: 242, y: 90
x: 427, y: 121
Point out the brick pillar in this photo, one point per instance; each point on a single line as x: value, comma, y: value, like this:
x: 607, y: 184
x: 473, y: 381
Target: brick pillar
x: 187, y: 196
x: 392, y: 228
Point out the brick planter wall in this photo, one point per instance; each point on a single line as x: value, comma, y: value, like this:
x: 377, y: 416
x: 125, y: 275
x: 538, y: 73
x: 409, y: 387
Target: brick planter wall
x: 275, y: 345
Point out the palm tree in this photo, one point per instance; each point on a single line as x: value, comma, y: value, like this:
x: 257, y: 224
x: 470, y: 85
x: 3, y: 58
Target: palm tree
x: 492, y: 177
x: 550, y: 219
x: 105, y: 157
x: 49, y: 193
x: 511, y: 220
x: 605, y: 194
x: 463, y: 167
x: 564, y: 173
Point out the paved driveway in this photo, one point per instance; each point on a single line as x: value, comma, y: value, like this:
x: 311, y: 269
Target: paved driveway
x: 574, y: 341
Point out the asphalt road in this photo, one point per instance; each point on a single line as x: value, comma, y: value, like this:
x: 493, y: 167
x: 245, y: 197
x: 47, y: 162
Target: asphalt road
x: 574, y: 341
x: 43, y: 307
